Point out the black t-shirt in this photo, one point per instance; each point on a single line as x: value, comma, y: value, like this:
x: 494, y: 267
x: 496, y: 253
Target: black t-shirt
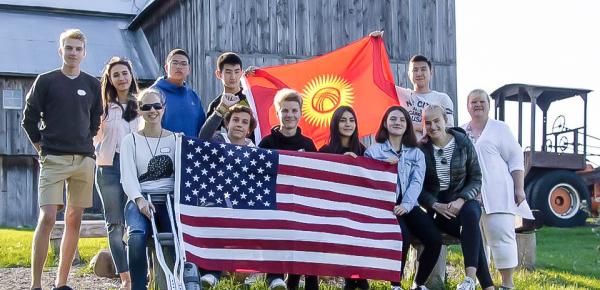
x: 298, y: 142
x: 69, y: 111
x: 327, y: 148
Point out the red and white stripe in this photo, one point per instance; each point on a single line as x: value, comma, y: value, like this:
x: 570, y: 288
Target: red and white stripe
x: 334, y: 217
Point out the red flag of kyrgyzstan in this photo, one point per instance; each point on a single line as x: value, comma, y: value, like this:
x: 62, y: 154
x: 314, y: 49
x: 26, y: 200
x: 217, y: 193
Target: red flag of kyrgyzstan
x: 357, y: 75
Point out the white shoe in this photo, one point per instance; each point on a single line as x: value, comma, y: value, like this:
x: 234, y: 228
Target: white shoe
x: 208, y: 281
x: 277, y: 284
x: 422, y: 287
x: 396, y: 288
x: 467, y: 284
x: 253, y: 278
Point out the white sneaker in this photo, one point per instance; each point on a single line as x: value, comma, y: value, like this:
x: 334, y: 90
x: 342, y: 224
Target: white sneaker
x: 253, y: 278
x: 277, y: 284
x: 208, y: 281
x: 422, y: 287
x: 467, y: 284
x: 396, y: 288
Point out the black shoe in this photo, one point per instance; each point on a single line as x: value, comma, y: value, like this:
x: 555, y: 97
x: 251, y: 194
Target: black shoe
x: 64, y: 287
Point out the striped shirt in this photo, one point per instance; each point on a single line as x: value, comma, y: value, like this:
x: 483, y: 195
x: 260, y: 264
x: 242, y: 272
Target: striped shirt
x: 442, y: 163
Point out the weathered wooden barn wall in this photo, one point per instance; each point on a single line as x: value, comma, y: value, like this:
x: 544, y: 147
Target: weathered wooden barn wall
x: 15, y: 141
x: 270, y: 32
x: 18, y: 164
x: 18, y: 167
x: 18, y: 194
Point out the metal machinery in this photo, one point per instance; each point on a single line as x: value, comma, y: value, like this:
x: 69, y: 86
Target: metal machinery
x: 558, y: 181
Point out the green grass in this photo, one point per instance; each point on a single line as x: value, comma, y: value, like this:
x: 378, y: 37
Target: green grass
x: 15, y: 248
x: 566, y: 259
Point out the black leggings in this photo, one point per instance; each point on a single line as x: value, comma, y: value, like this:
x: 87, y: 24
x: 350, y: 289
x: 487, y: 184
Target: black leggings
x: 418, y: 224
x: 466, y: 227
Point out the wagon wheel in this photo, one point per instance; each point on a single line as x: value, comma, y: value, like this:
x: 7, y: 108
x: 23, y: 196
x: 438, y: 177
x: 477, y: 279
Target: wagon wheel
x: 549, y: 145
x: 563, y: 143
x: 559, y: 124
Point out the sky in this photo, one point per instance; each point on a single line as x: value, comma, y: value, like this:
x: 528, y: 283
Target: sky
x: 542, y: 42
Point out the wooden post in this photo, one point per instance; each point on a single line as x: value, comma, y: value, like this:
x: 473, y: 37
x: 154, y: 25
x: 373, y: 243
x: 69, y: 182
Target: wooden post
x: 526, y: 246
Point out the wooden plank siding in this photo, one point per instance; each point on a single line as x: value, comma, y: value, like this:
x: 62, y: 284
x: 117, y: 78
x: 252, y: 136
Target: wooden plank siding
x: 270, y: 32
x: 18, y: 202
x: 13, y: 140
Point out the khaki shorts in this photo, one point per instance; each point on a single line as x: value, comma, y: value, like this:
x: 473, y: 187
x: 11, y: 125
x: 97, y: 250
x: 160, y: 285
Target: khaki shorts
x: 77, y: 171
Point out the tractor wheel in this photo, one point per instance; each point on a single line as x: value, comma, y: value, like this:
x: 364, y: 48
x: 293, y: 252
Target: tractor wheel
x: 562, y: 198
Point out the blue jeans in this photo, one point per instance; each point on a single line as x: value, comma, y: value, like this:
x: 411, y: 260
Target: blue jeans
x: 139, y: 230
x: 108, y: 184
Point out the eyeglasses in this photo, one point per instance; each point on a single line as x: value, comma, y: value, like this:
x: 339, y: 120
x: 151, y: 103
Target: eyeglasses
x: 440, y: 153
x: 178, y: 63
x: 148, y: 107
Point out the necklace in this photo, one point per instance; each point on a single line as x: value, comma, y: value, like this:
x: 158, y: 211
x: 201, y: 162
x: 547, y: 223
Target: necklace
x: 157, y: 143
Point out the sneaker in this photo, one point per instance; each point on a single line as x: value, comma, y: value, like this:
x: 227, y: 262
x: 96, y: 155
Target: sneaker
x: 467, y: 284
x: 253, y: 278
x: 64, y: 287
x: 277, y: 284
x: 208, y: 281
x: 422, y: 287
x: 396, y: 288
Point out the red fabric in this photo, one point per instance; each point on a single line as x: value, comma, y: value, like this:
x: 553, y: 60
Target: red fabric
x: 362, y: 65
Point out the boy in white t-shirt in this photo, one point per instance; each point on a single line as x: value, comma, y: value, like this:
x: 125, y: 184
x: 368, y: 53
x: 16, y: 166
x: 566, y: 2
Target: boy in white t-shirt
x: 419, y: 73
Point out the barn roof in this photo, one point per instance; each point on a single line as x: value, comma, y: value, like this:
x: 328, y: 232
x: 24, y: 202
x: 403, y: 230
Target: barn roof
x: 32, y: 35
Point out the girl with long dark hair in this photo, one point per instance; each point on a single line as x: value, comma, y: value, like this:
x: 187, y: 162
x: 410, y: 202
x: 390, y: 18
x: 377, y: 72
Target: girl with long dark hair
x: 118, y: 87
x: 396, y: 143
x: 343, y: 139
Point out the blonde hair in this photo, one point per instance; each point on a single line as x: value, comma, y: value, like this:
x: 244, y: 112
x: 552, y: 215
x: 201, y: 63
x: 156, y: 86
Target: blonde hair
x: 479, y: 92
x: 432, y: 109
x: 73, y: 33
x: 151, y: 91
x: 286, y: 95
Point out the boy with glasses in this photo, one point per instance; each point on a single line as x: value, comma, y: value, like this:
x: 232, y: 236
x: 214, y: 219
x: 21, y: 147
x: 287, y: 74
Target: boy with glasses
x: 184, y: 112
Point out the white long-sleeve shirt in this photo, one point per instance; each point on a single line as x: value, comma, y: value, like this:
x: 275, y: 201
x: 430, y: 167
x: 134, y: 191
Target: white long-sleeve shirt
x: 137, y: 161
x: 499, y: 154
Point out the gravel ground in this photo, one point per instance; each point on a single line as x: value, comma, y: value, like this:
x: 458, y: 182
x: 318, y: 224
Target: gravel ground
x: 18, y: 278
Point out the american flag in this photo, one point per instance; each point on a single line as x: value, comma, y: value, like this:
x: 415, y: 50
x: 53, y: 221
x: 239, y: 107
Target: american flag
x: 245, y: 208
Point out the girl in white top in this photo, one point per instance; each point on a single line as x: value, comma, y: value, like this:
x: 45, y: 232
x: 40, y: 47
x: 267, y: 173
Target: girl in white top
x: 119, y: 119
x: 501, y: 162
x: 147, y: 166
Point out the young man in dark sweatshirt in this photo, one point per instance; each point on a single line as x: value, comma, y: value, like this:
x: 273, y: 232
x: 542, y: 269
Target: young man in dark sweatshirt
x: 66, y: 104
x: 288, y: 136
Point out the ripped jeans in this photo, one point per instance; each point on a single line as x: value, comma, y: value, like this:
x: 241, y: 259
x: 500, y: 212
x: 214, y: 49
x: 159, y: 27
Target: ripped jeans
x: 108, y: 184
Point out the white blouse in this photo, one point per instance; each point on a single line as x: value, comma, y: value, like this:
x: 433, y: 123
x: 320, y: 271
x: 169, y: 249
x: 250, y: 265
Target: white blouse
x: 499, y: 154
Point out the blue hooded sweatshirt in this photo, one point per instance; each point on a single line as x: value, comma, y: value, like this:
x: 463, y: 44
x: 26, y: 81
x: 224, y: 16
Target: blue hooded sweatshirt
x: 183, y: 112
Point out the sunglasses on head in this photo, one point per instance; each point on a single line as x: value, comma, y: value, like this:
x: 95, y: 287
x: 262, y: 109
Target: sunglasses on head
x: 148, y: 107
x: 440, y: 152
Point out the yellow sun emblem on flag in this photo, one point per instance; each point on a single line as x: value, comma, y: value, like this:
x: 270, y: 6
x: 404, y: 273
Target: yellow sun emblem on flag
x: 322, y: 95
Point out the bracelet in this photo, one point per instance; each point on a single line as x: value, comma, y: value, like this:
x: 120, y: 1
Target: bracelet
x: 222, y: 110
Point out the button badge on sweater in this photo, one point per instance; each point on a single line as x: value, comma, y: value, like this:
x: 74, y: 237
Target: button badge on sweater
x: 81, y: 93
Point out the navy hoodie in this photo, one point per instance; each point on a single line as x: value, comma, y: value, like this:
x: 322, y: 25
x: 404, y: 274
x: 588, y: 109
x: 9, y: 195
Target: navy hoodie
x: 183, y: 112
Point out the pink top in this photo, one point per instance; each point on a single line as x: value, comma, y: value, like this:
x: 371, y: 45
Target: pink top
x: 112, y: 130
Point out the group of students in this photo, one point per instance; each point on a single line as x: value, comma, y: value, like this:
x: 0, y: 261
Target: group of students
x: 448, y: 177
